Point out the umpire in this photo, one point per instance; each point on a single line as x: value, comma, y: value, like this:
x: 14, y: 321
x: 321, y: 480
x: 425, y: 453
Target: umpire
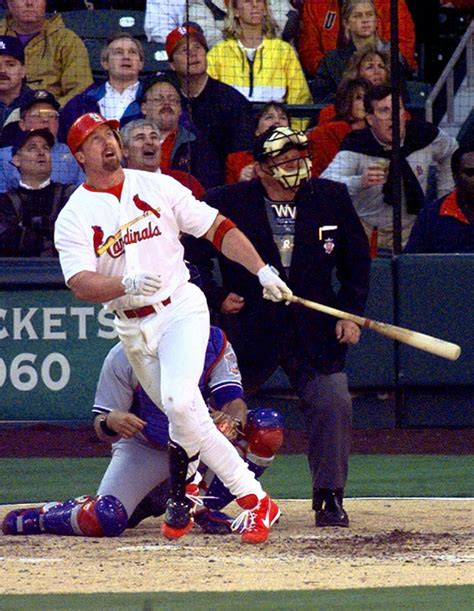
x: 307, y: 229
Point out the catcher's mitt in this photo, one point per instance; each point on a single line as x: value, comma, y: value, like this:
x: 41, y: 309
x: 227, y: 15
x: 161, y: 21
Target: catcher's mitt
x: 228, y: 426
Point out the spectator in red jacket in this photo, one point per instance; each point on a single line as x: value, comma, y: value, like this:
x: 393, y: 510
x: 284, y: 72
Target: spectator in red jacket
x: 241, y: 165
x: 320, y: 24
x: 325, y: 139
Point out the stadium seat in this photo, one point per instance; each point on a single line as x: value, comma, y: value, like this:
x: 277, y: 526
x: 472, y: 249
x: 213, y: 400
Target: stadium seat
x: 102, y: 24
x: 95, y: 28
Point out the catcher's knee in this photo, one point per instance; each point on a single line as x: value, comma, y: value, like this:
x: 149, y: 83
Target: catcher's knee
x: 102, y: 516
x: 264, y: 432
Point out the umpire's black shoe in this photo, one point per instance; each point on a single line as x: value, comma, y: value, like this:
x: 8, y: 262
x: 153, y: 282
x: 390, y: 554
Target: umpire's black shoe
x: 178, y: 519
x: 332, y: 513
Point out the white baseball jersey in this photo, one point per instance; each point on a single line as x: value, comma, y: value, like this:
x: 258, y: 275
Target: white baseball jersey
x: 96, y: 232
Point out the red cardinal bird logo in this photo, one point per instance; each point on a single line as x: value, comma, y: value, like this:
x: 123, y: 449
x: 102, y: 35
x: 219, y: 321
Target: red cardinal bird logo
x: 144, y: 207
x: 98, y: 238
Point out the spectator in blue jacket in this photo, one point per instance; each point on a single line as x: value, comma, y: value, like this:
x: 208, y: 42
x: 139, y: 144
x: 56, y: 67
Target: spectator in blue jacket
x: 447, y: 225
x: 40, y: 111
x: 117, y: 98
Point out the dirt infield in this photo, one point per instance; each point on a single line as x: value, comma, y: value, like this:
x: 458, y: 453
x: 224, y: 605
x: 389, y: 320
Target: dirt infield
x: 390, y: 543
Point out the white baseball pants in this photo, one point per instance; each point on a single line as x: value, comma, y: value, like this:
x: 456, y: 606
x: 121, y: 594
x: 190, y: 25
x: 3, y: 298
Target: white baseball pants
x: 166, y: 351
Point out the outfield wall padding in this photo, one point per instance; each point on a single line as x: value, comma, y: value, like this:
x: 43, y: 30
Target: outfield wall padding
x: 52, y: 346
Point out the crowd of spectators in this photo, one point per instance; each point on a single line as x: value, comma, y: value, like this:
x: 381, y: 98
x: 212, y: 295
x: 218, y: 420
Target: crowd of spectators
x: 235, y: 67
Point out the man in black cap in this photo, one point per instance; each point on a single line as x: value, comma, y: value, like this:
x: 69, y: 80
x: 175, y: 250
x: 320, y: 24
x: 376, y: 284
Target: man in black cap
x: 40, y: 110
x: 13, y: 87
x: 307, y: 229
x: 28, y: 213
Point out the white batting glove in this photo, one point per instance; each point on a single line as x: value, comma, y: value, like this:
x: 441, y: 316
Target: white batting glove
x: 273, y: 286
x: 142, y: 284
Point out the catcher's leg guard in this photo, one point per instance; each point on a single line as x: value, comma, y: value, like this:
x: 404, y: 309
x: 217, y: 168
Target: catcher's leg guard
x: 263, y: 436
x: 100, y: 516
x: 23, y: 522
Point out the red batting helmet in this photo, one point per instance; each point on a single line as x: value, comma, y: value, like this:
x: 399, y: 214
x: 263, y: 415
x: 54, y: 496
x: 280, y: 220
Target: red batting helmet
x: 83, y: 127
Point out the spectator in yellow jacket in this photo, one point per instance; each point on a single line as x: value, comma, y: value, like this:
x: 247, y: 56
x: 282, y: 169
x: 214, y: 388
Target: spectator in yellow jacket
x: 255, y: 62
x: 56, y: 58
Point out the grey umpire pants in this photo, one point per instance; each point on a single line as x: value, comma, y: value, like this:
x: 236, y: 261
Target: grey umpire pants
x: 327, y: 407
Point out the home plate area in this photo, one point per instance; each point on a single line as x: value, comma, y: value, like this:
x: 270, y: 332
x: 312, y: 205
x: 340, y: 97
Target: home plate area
x: 390, y: 542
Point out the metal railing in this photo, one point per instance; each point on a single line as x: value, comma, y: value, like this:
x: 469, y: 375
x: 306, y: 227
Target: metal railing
x: 447, y: 76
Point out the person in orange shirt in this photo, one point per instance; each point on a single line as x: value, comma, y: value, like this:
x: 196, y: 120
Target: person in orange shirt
x: 320, y: 23
x: 325, y: 139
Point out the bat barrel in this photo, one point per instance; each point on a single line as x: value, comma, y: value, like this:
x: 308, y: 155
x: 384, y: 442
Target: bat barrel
x: 430, y: 344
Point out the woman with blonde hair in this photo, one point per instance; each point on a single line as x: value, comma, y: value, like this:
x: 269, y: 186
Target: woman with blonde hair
x: 368, y: 63
x: 252, y: 60
x: 359, y: 19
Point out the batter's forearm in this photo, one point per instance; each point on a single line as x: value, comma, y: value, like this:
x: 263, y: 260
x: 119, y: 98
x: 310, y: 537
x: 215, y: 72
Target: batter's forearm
x: 234, y: 244
x: 95, y: 287
x: 237, y: 247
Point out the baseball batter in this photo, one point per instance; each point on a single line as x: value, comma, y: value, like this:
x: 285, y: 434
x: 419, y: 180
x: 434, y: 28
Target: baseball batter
x: 118, y: 243
x: 139, y: 461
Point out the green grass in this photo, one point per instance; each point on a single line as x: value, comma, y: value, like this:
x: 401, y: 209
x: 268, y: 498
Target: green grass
x: 427, y: 597
x: 45, y: 479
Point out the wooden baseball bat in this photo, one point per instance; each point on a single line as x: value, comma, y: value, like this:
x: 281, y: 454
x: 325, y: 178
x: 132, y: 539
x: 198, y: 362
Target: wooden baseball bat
x: 434, y: 345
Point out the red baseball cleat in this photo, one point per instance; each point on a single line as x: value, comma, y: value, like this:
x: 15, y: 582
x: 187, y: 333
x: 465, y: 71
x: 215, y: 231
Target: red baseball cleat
x: 259, y: 516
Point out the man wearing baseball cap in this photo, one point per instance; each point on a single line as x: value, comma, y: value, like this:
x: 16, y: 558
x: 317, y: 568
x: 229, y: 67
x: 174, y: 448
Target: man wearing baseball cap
x: 118, y: 243
x: 217, y: 109
x: 13, y: 87
x: 310, y: 231
x: 39, y: 110
x: 28, y: 212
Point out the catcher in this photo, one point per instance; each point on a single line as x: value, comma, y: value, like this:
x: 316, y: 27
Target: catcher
x: 134, y: 485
